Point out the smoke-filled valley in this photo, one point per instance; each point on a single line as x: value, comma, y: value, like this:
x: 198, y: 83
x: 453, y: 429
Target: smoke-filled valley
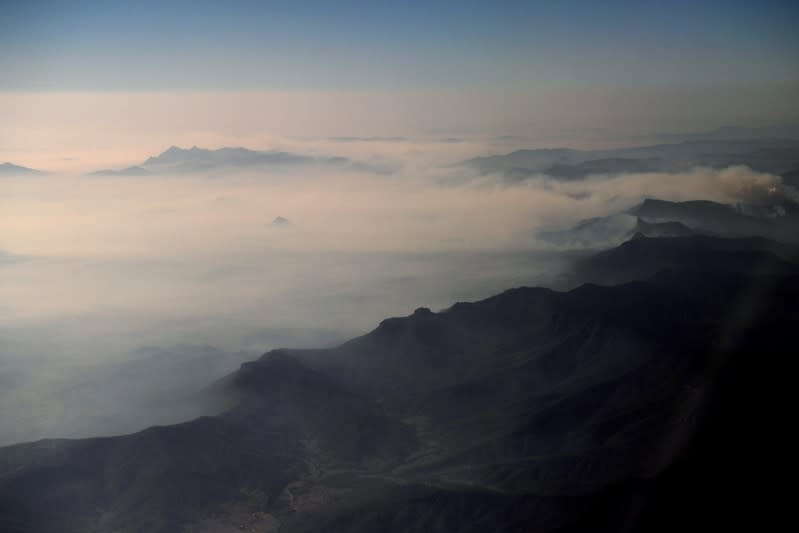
x: 124, y: 290
x: 397, y: 267
x: 207, y: 328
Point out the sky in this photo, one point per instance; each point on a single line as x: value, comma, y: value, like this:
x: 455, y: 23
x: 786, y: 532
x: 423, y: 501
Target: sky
x: 94, y: 84
x: 378, y: 45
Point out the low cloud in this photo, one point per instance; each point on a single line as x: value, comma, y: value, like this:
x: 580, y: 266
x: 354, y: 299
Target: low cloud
x: 113, y: 263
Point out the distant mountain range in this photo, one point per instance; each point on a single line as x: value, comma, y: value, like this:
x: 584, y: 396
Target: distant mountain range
x: 9, y: 169
x: 661, y: 218
x: 775, y: 156
x: 642, y: 406
x: 129, y: 171
x: 6, y: 258
x: 182, y: 160
x: 728, y: 133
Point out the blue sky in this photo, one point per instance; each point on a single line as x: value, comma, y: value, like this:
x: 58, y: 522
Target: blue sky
x: 375, y: 45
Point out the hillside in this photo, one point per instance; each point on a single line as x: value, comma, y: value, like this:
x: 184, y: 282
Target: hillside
x: 533, y: 410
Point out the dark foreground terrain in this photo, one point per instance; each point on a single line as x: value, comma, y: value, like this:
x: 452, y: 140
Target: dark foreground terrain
x: 656, y: 404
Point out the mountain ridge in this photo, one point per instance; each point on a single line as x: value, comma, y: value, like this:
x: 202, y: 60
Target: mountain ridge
x: 775, y: 156
x: 191, y: 160
x: 533, y: 409
x: 663, y: 218
x: 10, y: 169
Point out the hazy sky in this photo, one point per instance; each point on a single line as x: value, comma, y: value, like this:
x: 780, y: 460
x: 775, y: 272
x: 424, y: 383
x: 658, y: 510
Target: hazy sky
x: 366, y: 45
x: 88, y: 84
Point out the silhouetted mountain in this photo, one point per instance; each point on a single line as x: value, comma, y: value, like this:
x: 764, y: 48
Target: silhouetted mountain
x: 176, y: 159
x: 602, y: 232
x: 662, y: 229
x: 661, y: 218
x: 617, y: 165
x: 643, y: 257
x: 281, y: 221
x: 726, y: 478
x: 182, y: 160
x: 9, y: 169
x: 129, y: 171
x: 698, y: 212
x: 524, y: 163
x: 775, y: 222
x: 597, y: 409
x: 599, y: 232
x: 775, y: 156
x: 728, y: 133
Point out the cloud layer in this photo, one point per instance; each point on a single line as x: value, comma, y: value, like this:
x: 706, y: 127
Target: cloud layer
x: 94, y: 267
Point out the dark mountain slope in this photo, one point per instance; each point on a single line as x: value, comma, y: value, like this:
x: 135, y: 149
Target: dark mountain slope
x: 150, y: 481
x: 602, y: 232
x: 661, y: 218
x: 642, y: 257
x: 623, y: 431
x: 775, y: 222
x: 729, y: 475
x: 165, y: 477
x: 281, y: 392
x: 662, y: 229
x: 533, y: 410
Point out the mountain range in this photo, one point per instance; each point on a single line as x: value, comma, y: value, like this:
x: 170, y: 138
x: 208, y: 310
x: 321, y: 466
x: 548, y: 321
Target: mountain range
x: 10, y: 169
x: 785, y: 130
x: 649, y: 402
x: 661, y: 218
x: 183, y: 160
x: 775, y: 156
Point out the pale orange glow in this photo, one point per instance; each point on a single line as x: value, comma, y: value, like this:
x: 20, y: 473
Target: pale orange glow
x: 84, y: 131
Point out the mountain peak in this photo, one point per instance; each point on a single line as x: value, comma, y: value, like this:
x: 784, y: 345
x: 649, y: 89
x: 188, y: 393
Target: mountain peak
x: 196, y: 159
x: 10, y: 168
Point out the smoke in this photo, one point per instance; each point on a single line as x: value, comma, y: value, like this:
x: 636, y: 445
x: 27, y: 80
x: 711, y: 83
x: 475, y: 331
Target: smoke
x: 742, y: 185
x: 94, y: 268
